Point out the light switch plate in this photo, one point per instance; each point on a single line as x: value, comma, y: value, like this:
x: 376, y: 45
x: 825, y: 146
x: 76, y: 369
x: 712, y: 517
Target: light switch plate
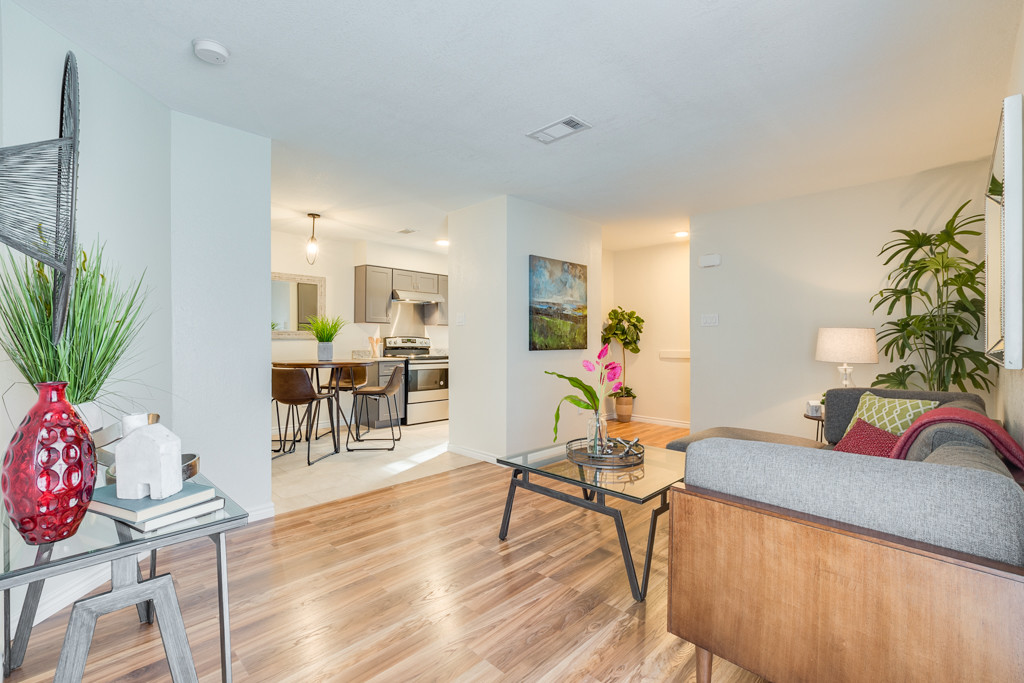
x: 709, y: 320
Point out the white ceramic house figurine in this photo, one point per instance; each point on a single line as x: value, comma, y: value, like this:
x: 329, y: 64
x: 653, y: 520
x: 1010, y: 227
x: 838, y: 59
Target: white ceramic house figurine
x: 148, y: 460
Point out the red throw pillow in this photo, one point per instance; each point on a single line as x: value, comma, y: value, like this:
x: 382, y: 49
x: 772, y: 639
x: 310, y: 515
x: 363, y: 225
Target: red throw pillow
x: 867, y: 439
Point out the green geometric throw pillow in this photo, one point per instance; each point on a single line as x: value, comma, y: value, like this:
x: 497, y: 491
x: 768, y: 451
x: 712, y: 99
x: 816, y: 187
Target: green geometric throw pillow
x: 894, y: 415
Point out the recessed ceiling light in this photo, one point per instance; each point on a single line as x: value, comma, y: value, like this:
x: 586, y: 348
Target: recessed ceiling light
x: 210, y: 51
x: 442, y: 243
x: 682, y: 233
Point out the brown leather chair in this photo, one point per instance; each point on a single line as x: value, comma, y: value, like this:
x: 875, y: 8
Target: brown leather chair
x: 389, y: 393
x: 294, y: 388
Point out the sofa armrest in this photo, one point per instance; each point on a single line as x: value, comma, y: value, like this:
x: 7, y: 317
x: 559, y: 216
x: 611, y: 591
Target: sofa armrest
x: 969, y: 510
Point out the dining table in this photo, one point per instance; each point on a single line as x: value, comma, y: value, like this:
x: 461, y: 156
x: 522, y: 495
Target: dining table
x: 340, y: 369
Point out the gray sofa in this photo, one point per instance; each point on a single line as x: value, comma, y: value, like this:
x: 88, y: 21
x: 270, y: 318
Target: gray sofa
x: 969, y: 503
x: 801, y: 563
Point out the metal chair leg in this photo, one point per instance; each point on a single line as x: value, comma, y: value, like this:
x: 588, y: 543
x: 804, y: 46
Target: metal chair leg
x: 334, y: 437
x: 391, y: 423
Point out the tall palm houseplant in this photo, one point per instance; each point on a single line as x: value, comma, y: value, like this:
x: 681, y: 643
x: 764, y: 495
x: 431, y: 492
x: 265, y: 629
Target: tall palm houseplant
x: 624, y: 327
x: 940, y: 292
x: 104, y: 319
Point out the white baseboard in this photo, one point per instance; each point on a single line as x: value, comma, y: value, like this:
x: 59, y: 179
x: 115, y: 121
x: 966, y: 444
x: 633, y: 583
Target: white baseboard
x: 659, y: 421
x: 265, y: 511
x: 470, y: 453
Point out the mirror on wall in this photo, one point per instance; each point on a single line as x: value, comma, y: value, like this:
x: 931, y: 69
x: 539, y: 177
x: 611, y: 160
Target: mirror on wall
x: 1004, y: 240
x: 293, y: 299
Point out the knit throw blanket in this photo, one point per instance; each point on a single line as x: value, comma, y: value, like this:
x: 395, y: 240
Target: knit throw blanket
x: 1003, y: 442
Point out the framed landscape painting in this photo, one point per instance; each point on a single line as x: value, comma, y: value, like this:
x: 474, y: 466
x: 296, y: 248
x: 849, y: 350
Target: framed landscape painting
x: 558, y: 304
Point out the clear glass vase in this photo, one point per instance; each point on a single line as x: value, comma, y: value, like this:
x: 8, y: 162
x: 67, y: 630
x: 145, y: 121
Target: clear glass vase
x: 597, y: 433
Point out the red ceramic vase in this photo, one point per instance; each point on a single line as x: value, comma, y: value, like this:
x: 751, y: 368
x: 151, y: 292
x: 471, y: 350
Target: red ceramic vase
x: 49, y: 470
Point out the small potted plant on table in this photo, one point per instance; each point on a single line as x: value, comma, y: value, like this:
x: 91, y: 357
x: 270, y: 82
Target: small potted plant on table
x: 325, y: 329
x: 624, y: 327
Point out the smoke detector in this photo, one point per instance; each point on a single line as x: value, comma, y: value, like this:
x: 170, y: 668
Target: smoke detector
x: 210, y: 51
x: 559, y: 130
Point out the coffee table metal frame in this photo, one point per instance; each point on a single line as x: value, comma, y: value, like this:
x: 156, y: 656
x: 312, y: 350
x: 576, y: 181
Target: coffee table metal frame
x: 593, y: 499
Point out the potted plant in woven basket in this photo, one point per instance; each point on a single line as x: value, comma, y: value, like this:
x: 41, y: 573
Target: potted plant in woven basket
x: 624, y: 327
x: 324, y: 329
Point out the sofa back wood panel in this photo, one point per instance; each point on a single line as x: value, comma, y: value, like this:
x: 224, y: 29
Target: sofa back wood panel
x: 797, y: 598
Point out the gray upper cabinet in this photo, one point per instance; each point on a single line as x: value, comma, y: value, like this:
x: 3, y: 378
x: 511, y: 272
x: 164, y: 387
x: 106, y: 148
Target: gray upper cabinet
x: 412, y: 281
x: 437, y: 314
x: 373, y: 294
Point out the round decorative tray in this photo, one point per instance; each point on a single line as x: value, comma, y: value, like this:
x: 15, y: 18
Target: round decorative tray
x: 619, y: 453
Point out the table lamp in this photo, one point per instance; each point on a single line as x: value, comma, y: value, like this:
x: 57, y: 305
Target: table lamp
x: 846, y: 345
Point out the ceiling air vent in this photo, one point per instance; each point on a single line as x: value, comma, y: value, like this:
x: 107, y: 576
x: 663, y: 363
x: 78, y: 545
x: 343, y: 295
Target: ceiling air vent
x: 559, y: 130
x: 406, y: 231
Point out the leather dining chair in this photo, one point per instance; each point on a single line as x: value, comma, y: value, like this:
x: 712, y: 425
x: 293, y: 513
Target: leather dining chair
x: 294, y: 388
x: 388, y: 393
x: 345, y: 379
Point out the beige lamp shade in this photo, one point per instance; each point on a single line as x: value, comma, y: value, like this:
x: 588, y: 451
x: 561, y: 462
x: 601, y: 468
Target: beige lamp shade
x: 846, y: 345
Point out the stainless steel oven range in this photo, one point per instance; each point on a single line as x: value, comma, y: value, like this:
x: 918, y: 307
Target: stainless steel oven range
x: 426, y: 378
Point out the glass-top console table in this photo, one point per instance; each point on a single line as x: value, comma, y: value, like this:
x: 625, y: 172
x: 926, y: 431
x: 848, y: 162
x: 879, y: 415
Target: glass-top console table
x: 638, y: 484
x: 99, y: 540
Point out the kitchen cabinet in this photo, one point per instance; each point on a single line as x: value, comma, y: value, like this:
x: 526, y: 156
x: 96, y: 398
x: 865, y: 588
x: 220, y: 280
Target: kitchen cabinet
x: 437, y: 314
x: 414, y: 282
x: 373, y: 294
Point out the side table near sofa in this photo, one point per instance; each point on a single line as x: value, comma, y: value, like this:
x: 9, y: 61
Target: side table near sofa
x: 803, y: 564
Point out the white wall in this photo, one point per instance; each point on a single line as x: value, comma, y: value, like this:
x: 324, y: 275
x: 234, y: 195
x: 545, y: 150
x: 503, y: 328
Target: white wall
x: 532, y: 395
x: 478, y: 347
x: 655, y: 282
x: 123, y: 192
x: 789, y: 267
x: 501, y: 400
x: 220, y: 181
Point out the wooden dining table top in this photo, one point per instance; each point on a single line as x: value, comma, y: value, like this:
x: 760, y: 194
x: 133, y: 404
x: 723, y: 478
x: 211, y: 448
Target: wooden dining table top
x: 354, y: 363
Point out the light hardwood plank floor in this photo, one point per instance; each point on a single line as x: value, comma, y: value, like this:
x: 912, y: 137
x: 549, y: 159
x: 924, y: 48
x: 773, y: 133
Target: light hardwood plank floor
x: 410, y: 583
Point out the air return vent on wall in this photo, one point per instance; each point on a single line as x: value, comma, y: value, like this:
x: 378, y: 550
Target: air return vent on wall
x: 559, y: 130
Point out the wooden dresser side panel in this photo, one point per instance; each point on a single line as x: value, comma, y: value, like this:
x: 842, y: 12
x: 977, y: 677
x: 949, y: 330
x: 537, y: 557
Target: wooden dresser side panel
x: 793, y: 600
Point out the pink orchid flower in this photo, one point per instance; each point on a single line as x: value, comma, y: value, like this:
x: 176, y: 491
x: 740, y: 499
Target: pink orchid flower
x: 603, y: 352
x: 614, y: 372
x: 589, y: 366
x: 616, y: 387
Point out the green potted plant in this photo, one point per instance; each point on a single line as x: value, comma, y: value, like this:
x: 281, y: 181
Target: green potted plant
x: 324, y: 329
x: 941, y: 292
x: 104, y: 318
x: 624, y: 327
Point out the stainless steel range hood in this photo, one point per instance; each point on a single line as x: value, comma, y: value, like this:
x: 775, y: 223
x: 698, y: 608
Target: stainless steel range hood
x: 416, y: 297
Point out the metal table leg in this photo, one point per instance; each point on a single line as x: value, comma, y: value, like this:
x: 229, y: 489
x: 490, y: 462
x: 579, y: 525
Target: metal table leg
x: 637, y: 587
x: 28, y: 613
x: 222, y: 600
x: 145, y: 609
x: 126, y: 590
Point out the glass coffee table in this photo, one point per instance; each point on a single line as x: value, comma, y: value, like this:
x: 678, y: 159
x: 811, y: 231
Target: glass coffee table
x: 638, y: 484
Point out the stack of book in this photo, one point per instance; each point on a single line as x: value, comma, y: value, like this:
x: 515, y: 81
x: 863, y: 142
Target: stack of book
x: 146, y: 514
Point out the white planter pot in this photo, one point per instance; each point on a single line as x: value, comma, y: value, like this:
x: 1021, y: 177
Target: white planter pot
x: 91, y: 414
x: 325, y: 351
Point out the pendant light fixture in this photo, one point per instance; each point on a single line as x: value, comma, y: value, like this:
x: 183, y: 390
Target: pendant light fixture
x: 312, y: 250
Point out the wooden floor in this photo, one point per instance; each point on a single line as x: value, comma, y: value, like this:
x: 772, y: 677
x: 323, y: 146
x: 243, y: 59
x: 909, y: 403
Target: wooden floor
x: 412, y: 583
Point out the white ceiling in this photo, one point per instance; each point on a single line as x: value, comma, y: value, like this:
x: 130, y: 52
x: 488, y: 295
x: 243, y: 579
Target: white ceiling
x: 387, y: 115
